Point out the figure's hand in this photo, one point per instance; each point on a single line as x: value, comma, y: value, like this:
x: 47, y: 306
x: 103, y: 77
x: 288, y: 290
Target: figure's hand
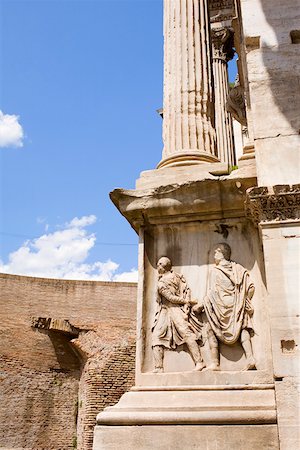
x: 251, y: 291
x: 186, y: 310
x: 192, y: 302
x: 249, y: 307
x: 198, y: 308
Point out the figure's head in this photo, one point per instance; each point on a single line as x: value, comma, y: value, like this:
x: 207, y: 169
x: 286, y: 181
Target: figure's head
x: 164, y: 265
x: 222, y: 251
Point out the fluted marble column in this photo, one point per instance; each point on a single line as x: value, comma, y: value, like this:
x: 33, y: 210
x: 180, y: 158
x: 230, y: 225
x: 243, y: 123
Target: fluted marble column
x: 222, y: 42
x: 188, y: 125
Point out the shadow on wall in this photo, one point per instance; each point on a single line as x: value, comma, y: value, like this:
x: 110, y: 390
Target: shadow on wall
x: 280, y: 48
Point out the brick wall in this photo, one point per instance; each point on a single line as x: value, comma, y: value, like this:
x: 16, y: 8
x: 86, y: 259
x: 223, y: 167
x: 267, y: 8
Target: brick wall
x: 50, y: 396
x: 103, y: 383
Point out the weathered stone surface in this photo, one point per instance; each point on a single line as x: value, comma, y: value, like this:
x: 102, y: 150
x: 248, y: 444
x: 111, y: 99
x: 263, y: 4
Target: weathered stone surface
x: 221, y: 10
x: 150, y: 179
x: 273, y: 75
x: 56, y: 325
x: 189, y: 246
x: 274, y: 203
x: 194, y: 437
x: 192, y: 407
x: 222, y: 42
x: 272, y: 61
x: 211, y: 198
x: 278, y: 159
x: 282, y: 250
x: 183, y: 214
x: 277, y: 209
x: 188, y: 120
x: 288, y: 407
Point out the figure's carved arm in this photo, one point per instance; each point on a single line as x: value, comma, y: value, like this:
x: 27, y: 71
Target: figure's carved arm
x: 172, y: 298
x: 198, y: 307
x: 250, y: 293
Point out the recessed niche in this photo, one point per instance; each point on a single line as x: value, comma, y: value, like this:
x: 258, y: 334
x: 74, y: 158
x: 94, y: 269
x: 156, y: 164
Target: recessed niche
x: 295, y: 36
x: 288, y: 346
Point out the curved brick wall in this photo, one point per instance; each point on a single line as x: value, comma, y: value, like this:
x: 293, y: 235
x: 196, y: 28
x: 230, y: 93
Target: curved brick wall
x: 50, y: 393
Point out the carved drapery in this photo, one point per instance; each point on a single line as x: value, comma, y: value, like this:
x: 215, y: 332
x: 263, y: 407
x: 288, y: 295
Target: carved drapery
x: 276, y: 203
x: 222, y: 44
x: 188, y: 125
x: 236, y: 103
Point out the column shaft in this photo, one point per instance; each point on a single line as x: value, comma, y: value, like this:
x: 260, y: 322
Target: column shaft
x: 188, y: 126
x: 222, y: 40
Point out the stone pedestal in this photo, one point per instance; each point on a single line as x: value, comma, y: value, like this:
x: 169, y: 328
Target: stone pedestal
x: 197, y: 437
x: 181, y: 407
x: 217, y: 334
x: 190, y: 418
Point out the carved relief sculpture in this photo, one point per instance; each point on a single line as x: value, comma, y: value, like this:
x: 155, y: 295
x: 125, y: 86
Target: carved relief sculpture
x: 274, y: 203
x: 228, y: 307
x: 175, y: 322
x: 236, y: 103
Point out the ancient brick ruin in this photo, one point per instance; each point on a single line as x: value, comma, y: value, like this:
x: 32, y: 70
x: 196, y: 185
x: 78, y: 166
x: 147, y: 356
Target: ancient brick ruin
x: 65, y: 355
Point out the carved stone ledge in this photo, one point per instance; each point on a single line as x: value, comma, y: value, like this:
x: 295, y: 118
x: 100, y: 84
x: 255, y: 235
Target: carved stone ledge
x: 57, y: 325
x: 193, y: 407
x: 208, y: 199
x: 273, y: 203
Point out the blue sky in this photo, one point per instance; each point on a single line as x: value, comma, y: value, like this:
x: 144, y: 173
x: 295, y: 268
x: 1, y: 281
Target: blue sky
x: 85, y: 80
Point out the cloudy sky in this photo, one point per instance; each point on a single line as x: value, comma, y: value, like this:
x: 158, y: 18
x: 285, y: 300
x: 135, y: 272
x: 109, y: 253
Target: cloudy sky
x: 80, y: 84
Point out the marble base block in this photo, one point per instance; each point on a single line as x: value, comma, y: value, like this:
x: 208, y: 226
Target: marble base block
x: 186, y: 418
x: 186, y: 437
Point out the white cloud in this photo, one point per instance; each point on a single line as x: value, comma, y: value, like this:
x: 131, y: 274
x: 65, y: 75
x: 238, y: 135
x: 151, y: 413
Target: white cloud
x: 42, y: 221
x: 63, y: 254
x: 82, y: 222
x: 11, y: 131
x: 127, y: 276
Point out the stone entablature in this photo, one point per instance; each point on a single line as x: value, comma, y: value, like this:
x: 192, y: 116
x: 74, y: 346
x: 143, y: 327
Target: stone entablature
x: 221, y: 10
x: 274, y: 203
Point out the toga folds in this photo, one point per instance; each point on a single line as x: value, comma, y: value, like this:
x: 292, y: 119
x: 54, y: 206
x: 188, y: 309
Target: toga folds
x: 174, y: 322
x: 227, y: 305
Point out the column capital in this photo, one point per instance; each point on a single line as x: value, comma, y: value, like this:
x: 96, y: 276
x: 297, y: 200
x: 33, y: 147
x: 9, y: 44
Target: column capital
x: 222, y: 43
